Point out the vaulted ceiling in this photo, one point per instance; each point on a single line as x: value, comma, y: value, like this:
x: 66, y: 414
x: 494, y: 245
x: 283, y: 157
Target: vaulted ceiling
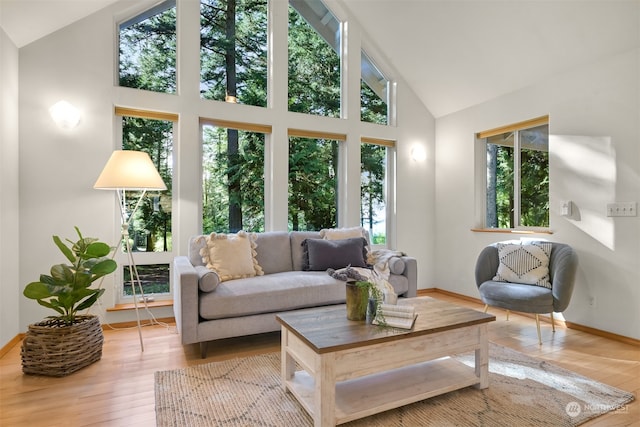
x: 453, y: 53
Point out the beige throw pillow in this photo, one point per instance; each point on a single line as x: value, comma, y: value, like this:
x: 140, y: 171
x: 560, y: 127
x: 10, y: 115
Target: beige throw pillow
x: 232, y: 256
x: 341, y: 233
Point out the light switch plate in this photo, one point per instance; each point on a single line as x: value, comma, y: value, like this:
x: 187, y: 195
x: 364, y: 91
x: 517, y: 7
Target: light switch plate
x: 622, y: 209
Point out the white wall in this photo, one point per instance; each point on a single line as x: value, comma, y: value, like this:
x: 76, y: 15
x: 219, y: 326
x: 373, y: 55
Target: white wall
x: 58, y: 168
x: 9, y: 239
x: 594, y: 115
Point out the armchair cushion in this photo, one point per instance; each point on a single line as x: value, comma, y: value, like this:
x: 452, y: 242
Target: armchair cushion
x: 518, y: 297
x: 524, y: 263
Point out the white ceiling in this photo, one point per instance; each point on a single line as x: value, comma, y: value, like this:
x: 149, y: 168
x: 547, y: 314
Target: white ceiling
x: 453, y: 53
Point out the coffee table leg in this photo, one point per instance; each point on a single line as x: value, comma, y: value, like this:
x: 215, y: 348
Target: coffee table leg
x: 325, y: 391
x: 288, y: 365
x: 482, y: 358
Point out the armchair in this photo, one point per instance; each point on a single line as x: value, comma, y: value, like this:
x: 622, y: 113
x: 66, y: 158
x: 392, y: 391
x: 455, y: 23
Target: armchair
x: 528, y: 298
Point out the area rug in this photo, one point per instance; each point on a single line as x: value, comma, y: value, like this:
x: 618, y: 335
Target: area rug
x: 523, y: 391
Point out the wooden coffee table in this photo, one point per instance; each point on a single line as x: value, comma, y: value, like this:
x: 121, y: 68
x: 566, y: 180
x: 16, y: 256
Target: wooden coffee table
x: 352, y: 369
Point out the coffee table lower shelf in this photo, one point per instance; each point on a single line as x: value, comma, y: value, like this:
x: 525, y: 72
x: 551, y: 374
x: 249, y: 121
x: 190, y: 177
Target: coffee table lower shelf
x: 365, y: 396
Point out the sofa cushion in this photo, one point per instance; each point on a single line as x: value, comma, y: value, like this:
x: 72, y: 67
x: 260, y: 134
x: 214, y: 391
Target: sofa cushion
x: 524, y: 263
x: 196, y: 243
x: 320, y: 254
x: 342, y: 233
x: 274, y: 252
x: 399, y: 282
x: 297, y: 237
x: 232, y: 256
x: 271, y: 293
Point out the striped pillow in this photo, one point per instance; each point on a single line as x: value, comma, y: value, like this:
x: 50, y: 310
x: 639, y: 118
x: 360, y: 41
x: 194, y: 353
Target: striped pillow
x: 524, y: 263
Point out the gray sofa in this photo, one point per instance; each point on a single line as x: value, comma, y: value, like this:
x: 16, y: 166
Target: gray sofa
x: 248, y: 306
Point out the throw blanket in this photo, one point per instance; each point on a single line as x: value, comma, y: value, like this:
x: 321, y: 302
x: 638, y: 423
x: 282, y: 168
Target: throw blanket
x: 378, y: 275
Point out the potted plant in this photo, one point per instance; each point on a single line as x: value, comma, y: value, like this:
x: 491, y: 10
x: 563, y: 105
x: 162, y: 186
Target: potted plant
x: 360, y: 295
x: 64, y: 343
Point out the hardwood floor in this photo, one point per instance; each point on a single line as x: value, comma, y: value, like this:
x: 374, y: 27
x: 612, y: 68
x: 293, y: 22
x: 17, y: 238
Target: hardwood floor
x: 118, y: 390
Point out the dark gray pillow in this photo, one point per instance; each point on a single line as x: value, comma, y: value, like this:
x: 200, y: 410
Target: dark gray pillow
x: 320, y: 254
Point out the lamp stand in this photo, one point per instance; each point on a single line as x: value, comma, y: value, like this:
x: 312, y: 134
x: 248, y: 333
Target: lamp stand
x: 133, y: 270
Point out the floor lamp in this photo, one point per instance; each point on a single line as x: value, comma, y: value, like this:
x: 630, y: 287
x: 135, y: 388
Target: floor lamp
x: 133, y: 171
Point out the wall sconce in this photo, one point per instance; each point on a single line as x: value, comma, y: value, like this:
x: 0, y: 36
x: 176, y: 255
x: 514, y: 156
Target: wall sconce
x: 418, y: 153
x: 65, y: 115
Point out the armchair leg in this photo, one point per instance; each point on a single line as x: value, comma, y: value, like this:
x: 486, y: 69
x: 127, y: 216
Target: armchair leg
x: 538, y: 327
x: 486, y: 307
x: 553, y: 324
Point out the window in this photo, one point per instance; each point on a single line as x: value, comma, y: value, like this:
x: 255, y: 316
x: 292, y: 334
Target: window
x: 150, y: 229
x: 313, y: 181
x: 233, y: 51
x: 373, y: 167
x: 147, y: 46
x: 517, y: 175
x: 314, y: 59
x: 232, y: 179
x: 373, y: 93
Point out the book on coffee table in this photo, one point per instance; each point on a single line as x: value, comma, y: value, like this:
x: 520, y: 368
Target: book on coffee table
x: 396, y: 316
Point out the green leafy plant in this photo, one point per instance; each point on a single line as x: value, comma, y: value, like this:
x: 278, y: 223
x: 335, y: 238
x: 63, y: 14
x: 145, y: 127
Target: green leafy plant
x: 67, y: 289
x: 374, y: 294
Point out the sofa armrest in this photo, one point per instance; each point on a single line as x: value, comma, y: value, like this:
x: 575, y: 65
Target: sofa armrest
x: 185, y: 299
x: 411, y: 273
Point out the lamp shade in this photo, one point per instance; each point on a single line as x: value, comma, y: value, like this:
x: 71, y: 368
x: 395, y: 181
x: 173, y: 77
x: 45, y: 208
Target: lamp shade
x: 129, y: 170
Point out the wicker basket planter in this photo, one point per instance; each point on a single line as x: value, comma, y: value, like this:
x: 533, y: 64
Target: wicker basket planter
x: 51, y: 348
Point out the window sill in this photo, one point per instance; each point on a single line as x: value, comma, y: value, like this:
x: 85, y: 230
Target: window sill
x: 131, y: 306
x: 510, y: 231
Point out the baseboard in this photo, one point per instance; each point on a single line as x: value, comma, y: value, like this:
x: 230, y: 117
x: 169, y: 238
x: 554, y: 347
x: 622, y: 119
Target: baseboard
x: 570, y: 325
x: 121, y: 325
x: 134, y: 323
x: 8, y: 346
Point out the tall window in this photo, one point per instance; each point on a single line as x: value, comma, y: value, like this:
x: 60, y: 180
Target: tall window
x: 147, y: 49
x: 373, y: 214
x: 517, y: 161
x: 150, y: 229
x: 314, y: 59
x: 373, y: 93
x: 232, y: 179
x: 233, y: 51
x: 313, y: 182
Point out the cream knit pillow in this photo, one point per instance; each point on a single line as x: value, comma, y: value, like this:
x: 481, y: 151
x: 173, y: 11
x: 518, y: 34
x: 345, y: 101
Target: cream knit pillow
x: 232, y: 256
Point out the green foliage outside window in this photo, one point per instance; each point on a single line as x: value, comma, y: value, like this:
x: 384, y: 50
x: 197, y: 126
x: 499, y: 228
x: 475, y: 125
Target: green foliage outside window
x: 233, y: 50
x: 312, y: 184
x: 147, y: 51
x: 372, y: 108
x: 532, y: 171
x: 225, y: 208
x: 314, y: 70
x: 372, y: 206
x: 150, y: 230
x: 233, y: 59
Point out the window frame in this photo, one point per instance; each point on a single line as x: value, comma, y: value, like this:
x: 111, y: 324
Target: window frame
x: 481, y: 139
x: 389, y: 187
x: 240, y: 126
x: 146, y: 12
x: 147, y: 258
